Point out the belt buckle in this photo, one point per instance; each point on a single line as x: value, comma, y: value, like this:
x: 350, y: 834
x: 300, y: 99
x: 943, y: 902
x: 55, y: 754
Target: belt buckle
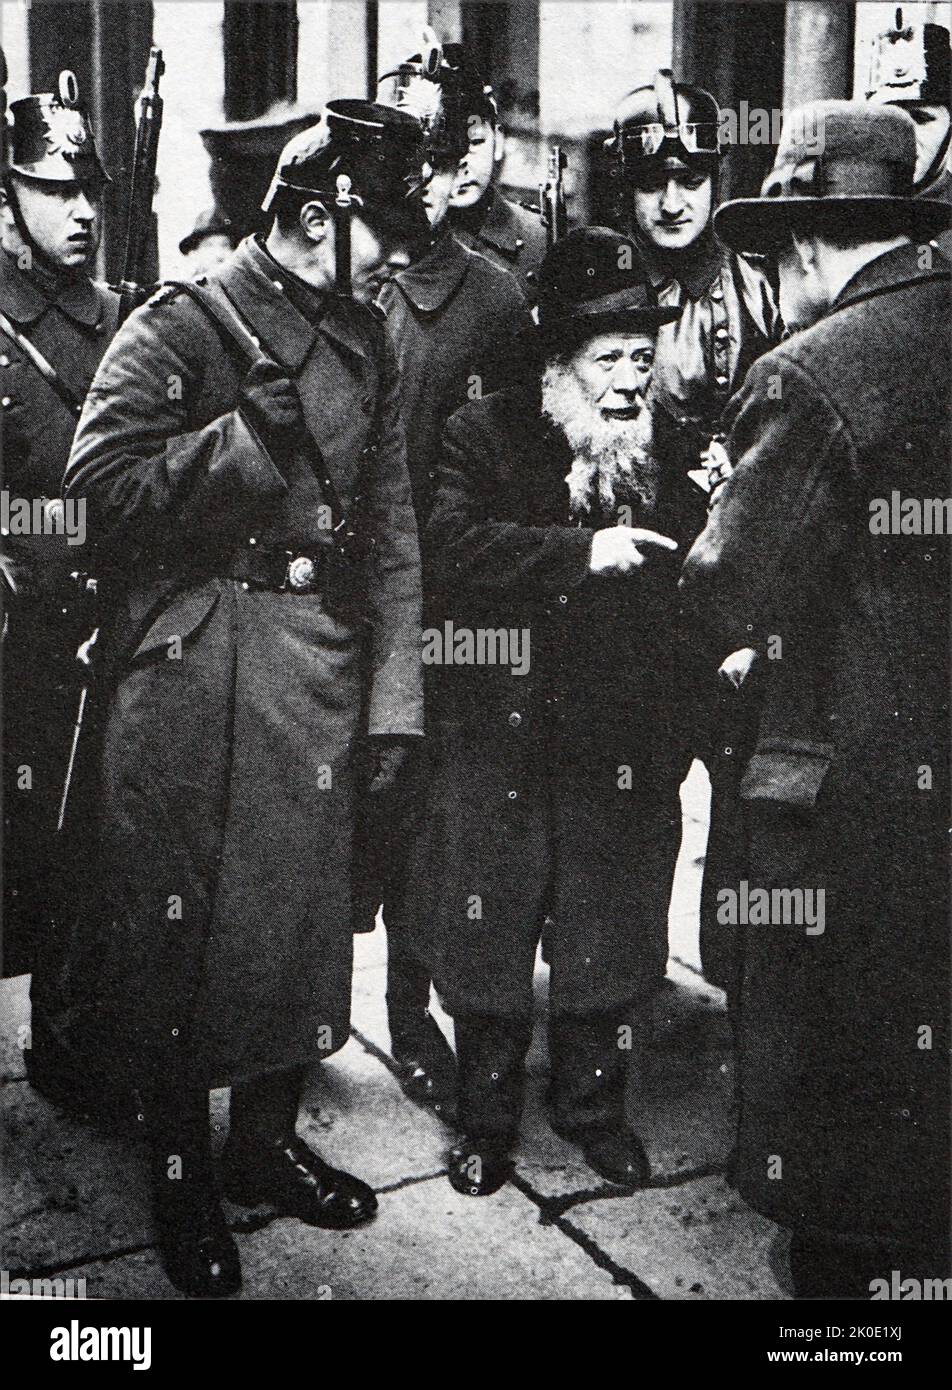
x: 301, y: 574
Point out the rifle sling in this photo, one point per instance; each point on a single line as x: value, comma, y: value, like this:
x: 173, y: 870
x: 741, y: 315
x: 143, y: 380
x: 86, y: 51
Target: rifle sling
x: 47, y: 371
x: 215, y: 303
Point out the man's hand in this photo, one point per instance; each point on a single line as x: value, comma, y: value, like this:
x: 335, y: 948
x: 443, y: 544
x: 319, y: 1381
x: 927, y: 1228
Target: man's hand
x: 736, y: 667
x: 269, y: 395
x: 620, y: 549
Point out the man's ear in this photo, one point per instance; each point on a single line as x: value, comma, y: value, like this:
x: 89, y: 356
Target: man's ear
x: 804, y: 248
x: 314, y: 220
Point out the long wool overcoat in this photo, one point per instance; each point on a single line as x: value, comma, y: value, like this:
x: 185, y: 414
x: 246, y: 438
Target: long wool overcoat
x: 554, y: 793
x: 844, y: 1031
x: 224, y: 945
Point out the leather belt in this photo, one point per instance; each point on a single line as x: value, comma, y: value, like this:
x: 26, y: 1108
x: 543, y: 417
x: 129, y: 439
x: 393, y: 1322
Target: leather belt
x: 279, y: 571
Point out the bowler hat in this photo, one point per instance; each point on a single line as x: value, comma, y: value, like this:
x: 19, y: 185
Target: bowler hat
x: 836, y: 159
x: 593, y: 280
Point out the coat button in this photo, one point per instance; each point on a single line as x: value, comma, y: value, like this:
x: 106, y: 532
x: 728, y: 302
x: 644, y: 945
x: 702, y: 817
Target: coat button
x: 512, y: 795
x: 720, y: 334
x: 4, y: 360
x: 717, y: 293
x: 563, y: 598
x: 515, y: 719
x: 252, y: 540
x: 7, y: 402
x: 721, y: 379
x: 519, y: 243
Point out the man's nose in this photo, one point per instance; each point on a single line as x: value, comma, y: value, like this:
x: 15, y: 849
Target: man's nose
x: 626, y: 379
x: 671, y: 200
x: 84, y: 210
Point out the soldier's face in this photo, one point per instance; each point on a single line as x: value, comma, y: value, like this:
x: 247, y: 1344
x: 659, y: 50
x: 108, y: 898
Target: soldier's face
x: 376, y: 255
x: 932, y: 126
x: 672, y: 206
x: 64, y: 219
x: 478, y: 164
x: 614, y: 371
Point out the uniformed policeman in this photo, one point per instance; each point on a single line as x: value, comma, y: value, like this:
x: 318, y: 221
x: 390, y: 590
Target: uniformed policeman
x: 910, y: 67
x: 55, y: 324
x: 667, y: 150
x: 243, y: 451
x: 446, y: 313
x: 482, y: 218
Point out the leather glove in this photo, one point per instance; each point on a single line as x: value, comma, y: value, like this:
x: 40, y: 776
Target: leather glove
x: 269, y: 396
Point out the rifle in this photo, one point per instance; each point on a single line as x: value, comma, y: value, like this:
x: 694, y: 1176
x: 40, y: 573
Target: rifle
x: 142, y: 190
x: 552, y: 198
x: 3, y: 111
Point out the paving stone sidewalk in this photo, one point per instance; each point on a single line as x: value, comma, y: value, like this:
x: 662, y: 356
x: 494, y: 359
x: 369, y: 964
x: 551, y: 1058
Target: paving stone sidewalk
x: 74, y: 1200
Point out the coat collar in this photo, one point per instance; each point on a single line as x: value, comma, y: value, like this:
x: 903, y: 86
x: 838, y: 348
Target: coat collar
x: 25, y: 302
x: 891, y: 271
x: 695, y: 271
x: 258, y: 287
x: 432, y: 280
x: 500, y: 227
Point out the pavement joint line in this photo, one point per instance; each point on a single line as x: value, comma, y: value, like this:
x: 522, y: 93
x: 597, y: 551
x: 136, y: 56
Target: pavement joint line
x: 626, y: 1278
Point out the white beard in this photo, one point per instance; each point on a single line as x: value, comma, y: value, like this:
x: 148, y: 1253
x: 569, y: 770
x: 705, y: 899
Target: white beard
x: 612, y: 459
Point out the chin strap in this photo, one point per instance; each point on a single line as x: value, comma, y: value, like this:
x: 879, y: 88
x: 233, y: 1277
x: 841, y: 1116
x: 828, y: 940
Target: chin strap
x: 344, y: 205
x: 42, y: 264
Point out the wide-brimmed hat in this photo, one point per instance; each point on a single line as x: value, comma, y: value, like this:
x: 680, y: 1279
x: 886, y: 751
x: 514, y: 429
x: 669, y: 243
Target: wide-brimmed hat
x: 591, y: 281
x: 843, y: 161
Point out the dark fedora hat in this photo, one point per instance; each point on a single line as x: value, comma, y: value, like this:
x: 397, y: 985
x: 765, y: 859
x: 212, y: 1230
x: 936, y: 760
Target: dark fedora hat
x: 837, y: 161
x: 591, y: 281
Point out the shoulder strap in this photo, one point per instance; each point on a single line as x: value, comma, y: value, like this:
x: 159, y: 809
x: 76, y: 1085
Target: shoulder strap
x: 214, y: 302
x: 47, y: 371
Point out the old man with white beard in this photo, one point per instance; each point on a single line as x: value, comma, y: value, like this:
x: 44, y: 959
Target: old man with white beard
x: 553, y: 803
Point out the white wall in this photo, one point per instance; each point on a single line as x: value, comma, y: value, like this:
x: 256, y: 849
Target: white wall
x: 189, y: 32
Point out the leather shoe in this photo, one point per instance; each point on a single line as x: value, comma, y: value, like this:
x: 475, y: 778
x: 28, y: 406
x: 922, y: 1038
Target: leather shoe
x: 194, y: 1242
x: 426, y: 1070
x: 201, y: 1258
x: 616, y: 1155
x: 289, y: 1176
x: 477, y: 1170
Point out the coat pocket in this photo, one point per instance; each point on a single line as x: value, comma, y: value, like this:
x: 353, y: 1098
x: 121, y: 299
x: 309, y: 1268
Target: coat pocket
x: 788, y: 772
x: 178, y: 621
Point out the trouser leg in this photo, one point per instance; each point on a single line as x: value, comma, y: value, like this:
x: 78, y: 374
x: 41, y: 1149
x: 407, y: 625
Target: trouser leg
x: 491, y: 1054
x: 590, y: 1056
x: 408, y: 995
x: 264, y: 1108
x: 180, y: 1154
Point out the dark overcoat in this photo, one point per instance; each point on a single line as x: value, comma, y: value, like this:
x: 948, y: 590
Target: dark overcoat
x: 843, y: 1033
x: 510, y: 236
x: 451, y: 317
x: 554, y: 795
x: 45, y: 619
x: 227, y: 776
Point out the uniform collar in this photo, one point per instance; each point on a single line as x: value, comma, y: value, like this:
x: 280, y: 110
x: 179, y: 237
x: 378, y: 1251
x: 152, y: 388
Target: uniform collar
x: 26, y: 301
x: 437, y: 275
x: 695, y: 270
x: 891, y: 271
x: 500, y: 226
x: 258, y: 286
